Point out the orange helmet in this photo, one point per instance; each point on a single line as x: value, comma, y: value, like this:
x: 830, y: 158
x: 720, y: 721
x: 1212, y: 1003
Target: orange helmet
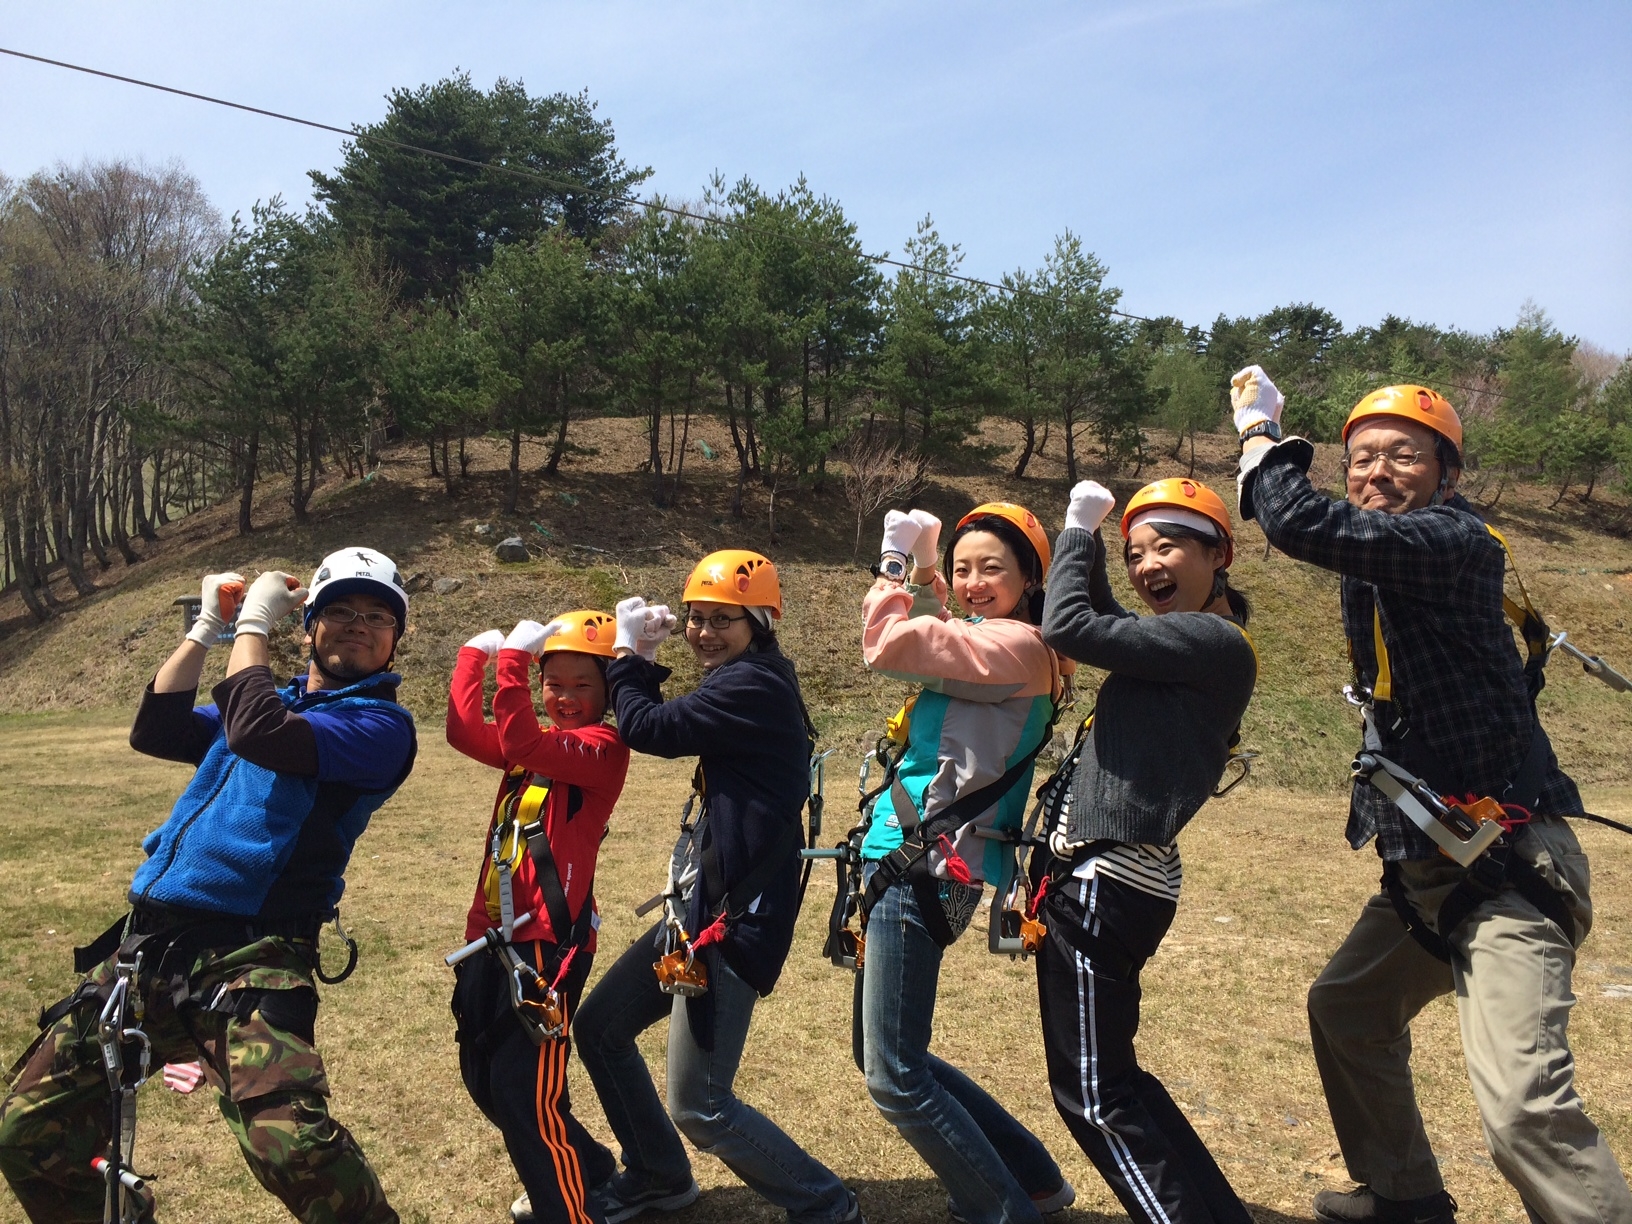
x: 1413, y: 403
x: 736, y: 576
x: 1021, y: 518
x: 586, y: 632
x: 1179, y: 493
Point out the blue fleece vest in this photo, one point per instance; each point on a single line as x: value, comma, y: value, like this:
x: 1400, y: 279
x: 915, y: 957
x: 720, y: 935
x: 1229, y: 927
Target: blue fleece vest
x: 233, y: 831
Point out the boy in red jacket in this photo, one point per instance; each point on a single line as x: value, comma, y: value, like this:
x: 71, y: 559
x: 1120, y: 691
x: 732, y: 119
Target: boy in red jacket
x: 535, y: 904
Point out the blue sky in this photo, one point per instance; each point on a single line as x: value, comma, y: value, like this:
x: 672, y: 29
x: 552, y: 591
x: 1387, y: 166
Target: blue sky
x: 1445, y: 161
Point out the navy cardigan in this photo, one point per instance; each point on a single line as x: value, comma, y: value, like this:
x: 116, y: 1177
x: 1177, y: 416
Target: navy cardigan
x: 746, y: 725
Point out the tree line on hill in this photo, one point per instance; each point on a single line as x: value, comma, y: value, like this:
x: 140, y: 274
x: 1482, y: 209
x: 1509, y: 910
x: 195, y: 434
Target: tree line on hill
x: 154, y: 361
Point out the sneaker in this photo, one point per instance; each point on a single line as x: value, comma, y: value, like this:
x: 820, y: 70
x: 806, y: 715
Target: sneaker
x: 521, y: 1211
x: 853, y: 1216
x: 1363, y: 1205
x: 1047, y: 1201
x: 624, y: 1196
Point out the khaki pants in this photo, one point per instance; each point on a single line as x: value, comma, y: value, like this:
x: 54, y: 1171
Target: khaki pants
x: 1512, y: 981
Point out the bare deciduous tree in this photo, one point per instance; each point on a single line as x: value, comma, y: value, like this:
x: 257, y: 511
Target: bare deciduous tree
x: 877, y: 473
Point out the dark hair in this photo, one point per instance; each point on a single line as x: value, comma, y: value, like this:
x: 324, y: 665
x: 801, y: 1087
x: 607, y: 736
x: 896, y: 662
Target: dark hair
x: 1239, y: 607
x: 1031, y: 565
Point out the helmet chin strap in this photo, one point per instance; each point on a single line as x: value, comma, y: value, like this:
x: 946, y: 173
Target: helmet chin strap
x: 344, y: 681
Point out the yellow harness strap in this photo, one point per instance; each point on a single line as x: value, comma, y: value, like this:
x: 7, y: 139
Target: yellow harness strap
x: 1383, y: 689
x: 1523, y: 617
x: 523, y: 805
x: 1252, y: 645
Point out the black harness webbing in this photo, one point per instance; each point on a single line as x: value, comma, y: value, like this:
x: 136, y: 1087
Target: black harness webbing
x: 568, y: 932
x: 910, y: 860
x: 1497, y: 869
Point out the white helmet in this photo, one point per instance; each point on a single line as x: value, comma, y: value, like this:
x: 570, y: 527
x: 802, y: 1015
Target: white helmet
x: 357, y: 571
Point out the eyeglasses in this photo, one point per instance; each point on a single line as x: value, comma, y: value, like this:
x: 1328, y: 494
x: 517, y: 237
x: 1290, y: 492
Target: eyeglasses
x: 340, y: 614
x: 719, y: 622
x: 1360, y: 463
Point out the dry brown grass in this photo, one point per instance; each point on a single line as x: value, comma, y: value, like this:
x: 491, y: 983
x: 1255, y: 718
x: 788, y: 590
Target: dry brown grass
x: 1223, y: 1026
x: 605, y: 540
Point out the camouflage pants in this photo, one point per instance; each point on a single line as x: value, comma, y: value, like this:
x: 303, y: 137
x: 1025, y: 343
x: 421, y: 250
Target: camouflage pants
x: 272, y: 1090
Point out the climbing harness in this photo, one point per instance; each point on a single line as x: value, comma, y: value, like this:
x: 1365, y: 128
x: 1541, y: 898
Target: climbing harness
x: 911, y: 859
x: 519, y: 829
x: 1480, y: 833
x: 119, y: 1024
x: 695, y: 859
x: 1014, y: 927
x: 846, y: 947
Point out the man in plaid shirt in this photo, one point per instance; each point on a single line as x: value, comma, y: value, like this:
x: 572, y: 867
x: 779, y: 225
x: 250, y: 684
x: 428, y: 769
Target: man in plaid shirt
x: 1421, y: 573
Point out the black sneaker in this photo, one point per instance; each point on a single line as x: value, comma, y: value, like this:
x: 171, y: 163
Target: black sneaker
x: 1363, y: 1205
x: 624, y: 1196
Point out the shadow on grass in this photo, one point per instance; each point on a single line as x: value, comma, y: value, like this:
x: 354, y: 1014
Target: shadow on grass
x: 899, y: 1200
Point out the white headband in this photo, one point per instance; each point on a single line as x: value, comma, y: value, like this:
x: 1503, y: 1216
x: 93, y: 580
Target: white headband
x: 1179, y: 517
x: 760, y: 613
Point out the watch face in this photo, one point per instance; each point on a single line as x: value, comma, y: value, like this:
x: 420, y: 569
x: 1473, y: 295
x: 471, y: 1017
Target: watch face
x: 893, y: 565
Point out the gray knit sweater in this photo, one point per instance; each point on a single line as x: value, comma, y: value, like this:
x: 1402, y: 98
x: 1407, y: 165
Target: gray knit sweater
x: 1177, y: 688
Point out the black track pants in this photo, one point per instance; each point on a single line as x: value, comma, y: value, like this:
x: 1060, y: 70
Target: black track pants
x: 1100, y: 933
x: 522, y: 1090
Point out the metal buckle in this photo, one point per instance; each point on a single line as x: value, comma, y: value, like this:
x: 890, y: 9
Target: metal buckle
x: 680, y: 973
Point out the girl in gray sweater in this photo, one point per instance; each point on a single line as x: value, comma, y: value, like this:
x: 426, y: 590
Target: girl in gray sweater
x: 1108, y: 884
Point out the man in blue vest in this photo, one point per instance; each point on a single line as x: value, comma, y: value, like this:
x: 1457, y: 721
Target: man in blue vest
x: 218, y: 955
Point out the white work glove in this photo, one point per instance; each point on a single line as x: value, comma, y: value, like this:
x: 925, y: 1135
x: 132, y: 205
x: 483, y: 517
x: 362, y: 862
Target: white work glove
x: 631, y: 616
x: 901, y: 533
x: 659, y: 623
x: 488, y: 642
x: 1254, y: 398
x: 221, y: 595
x: 927, y: 551
x: 530, y: 636
x: 1090, y: 503
x: 271, y: 598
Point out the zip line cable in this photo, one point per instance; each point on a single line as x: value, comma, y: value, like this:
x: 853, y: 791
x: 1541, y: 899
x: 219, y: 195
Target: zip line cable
x: 565, y: 185
x: 656, y: 204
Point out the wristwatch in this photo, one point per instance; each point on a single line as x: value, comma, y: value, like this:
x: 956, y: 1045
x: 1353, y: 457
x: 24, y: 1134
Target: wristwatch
x: 891, y: 565
x: 1264, y: 429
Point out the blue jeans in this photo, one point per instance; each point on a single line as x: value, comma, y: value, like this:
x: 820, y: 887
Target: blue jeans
x: 621, y: 1006
x: 988, y: 1162
x: 710, y: 1115
x: 701, y: 1101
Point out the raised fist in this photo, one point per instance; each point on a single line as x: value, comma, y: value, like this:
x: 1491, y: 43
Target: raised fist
x: 273, y: 596
x: 220, y: 597
x: 1090, y: 503
x: 1254, y: 398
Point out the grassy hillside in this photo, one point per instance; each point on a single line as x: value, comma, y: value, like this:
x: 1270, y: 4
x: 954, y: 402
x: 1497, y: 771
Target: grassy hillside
x: 597, y: 537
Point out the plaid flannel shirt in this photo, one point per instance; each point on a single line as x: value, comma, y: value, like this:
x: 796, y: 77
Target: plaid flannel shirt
x: 1434, y: 577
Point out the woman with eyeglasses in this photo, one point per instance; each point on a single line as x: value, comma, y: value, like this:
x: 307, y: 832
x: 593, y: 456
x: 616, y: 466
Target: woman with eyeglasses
x: 1152, y: 753
x: 731, y: 900
x: 984, y: 709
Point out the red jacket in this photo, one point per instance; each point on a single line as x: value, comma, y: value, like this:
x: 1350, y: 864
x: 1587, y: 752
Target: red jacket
x: 586, y: 766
